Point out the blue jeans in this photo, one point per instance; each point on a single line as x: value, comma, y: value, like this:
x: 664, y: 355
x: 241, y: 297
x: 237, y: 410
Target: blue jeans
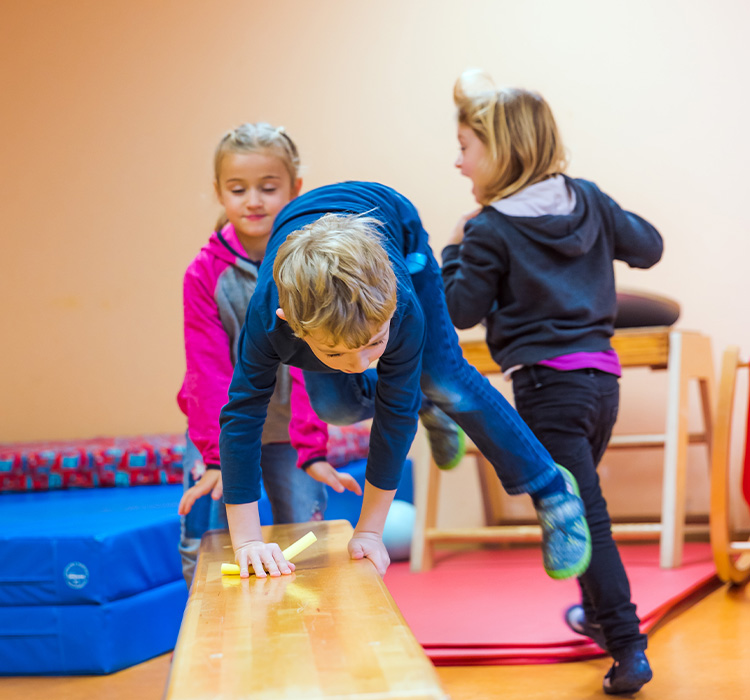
x: 294, y: 496
x: 573, y: 414
x: 454, y: 385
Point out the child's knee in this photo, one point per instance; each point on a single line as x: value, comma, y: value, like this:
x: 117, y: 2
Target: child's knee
x: 333, y: 411
x: 442, y: 391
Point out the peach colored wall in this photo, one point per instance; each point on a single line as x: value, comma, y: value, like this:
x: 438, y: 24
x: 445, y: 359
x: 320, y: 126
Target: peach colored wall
x: 111, y: 111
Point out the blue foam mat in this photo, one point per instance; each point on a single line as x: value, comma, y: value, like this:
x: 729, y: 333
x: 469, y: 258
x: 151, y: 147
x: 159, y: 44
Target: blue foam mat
x: 87, y: 546
x: 88, y: 639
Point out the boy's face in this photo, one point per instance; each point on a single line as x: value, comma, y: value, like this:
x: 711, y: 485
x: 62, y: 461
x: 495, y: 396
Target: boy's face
x: 472, y: 157
x: 349, y: 360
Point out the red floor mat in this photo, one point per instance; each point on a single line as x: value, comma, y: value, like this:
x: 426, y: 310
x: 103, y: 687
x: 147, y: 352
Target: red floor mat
x: 499, y: 607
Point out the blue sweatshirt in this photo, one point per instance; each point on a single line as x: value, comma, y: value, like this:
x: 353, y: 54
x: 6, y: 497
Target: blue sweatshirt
x: 545, y: 285
x: 266, y: 341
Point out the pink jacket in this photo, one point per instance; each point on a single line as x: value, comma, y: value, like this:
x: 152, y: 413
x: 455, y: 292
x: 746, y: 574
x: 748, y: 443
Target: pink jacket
x: 217, y: 288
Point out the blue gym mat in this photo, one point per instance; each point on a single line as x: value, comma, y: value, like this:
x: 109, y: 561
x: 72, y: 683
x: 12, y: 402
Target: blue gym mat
x: 91, y: 580
x: 84, y: 639
x: 87, y: 546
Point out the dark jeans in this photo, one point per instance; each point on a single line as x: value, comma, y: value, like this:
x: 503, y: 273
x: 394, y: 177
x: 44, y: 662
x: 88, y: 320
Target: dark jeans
x: 573, y: 414
x: 455, y: 386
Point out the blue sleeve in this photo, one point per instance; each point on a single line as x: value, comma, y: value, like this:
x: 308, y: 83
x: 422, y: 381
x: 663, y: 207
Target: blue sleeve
x: 398, y: 397
x: 244, y: 415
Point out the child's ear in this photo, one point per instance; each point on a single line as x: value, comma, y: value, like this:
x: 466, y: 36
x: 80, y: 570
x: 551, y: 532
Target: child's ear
x: 297, y: 188
x: 280, y: 314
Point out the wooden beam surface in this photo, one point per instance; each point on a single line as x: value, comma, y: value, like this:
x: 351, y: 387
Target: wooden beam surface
x: 329, y: 630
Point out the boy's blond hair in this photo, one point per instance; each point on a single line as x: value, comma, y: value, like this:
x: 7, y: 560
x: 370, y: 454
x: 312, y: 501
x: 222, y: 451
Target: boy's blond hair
x: 517, y: 128
x: 334, y: 277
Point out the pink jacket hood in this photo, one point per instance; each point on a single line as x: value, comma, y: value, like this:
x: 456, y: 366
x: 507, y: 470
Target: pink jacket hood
x: 217, y: 288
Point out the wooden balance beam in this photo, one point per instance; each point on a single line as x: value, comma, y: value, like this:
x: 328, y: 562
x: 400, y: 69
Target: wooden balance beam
x: 329, y: 630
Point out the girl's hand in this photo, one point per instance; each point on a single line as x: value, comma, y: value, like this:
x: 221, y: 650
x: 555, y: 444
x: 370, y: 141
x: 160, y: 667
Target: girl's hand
x: 262, y: 556
x: 370, y: 545
x: 457, y: 236
x: 338, y: 481
x: 210, y: 482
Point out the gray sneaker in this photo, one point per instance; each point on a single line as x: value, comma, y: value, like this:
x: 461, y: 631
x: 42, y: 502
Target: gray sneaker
x: 566, y: 541
x: 447, y: 440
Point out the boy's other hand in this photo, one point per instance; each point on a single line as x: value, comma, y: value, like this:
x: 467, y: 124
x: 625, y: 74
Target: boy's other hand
x: 262, y: 557
x: 210, y: 482
x: 338, y: 481
x: 369, y: 545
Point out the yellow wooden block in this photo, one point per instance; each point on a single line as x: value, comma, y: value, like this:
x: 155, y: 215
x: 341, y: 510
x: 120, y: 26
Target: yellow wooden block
x: 289, y: 553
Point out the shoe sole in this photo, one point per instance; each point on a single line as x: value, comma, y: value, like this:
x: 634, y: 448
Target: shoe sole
x: 583, y: 563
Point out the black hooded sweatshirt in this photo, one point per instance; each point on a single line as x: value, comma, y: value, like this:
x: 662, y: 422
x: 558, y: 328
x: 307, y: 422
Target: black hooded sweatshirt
x: 545, y: 285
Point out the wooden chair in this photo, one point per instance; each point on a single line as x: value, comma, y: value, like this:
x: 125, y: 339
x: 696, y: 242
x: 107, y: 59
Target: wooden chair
x: 732, y: 557
x: 686, y: 356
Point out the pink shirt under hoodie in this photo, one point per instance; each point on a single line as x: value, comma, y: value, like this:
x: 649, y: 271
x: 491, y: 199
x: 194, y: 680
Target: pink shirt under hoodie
x: 217, y: 288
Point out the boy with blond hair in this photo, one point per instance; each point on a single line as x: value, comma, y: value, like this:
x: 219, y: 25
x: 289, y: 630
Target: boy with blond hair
x: 349, y: 279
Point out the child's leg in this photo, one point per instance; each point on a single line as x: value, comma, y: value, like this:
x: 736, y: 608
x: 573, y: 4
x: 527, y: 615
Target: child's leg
x: 520, y: 460
x: 295, y: 497
x: 522, y: 464
x: 573, y: 413
x: 342, y: 399
x: 206, y: 514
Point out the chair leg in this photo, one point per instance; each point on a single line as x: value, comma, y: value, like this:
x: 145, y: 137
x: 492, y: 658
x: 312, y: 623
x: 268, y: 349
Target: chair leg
x: 427, y: 488
x: 489, y: 486
x: 675, y: 458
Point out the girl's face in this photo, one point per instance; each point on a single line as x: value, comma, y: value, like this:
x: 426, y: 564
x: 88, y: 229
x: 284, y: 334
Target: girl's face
x: 253, y: 188
x: 471, y: 158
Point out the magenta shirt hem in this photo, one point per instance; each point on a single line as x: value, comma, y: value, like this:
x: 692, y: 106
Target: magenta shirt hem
x: 606, y: 361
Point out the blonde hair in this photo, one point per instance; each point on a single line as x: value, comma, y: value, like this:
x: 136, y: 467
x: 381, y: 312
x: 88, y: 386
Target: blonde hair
x: 334, y: 277
x: 517, y: 128
x: 255, y: 138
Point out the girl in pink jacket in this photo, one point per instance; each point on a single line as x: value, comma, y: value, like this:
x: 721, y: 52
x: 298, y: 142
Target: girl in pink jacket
x: 256, y: 173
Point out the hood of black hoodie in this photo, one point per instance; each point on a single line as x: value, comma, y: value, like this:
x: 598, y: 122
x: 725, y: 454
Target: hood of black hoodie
x: 570, y: 234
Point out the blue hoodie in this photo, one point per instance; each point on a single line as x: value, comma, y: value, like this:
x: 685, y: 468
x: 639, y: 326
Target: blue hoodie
x: 544, y: 284
x: 266, y: 341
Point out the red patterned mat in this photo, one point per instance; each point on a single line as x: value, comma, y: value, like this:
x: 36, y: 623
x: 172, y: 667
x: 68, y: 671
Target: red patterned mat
x: 499, y: 607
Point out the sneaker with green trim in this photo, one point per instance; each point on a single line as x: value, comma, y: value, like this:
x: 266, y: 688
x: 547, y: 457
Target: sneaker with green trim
x: 566, y: 540
x: 447, y: 440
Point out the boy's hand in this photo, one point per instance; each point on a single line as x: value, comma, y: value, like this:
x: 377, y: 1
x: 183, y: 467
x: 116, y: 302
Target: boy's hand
x: 369, y: 545
x: 457, y: 236
x: 210, y: 482
x: 338, y: 481
x: 262, y: 556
